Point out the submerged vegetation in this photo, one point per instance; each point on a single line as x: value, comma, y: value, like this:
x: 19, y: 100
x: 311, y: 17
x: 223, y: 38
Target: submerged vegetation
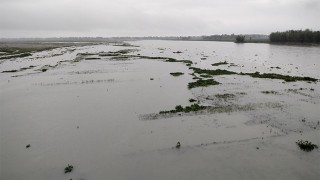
x: 125, y: 45
x: 306, y: 145
x: 16, y: 56
x: 211, y: 110
x: 175, y: 60
x: 286, y: 78
x: 208, y: 73
x: 116, y: 53
x: 225, y: 96
x: 202, y: 83
x: 18, y: 70
x: 124, y: 54
x: 192, y: 108
x: 204, y: 73
x: 212, y: 72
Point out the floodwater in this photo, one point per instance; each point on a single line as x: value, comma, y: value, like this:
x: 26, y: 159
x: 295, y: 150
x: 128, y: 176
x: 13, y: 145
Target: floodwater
x: 101, y: 115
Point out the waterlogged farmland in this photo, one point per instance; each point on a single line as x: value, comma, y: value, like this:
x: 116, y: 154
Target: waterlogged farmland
x: 118, y: 111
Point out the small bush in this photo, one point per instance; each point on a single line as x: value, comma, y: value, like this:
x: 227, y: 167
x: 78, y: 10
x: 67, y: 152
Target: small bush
x: 194, y: 107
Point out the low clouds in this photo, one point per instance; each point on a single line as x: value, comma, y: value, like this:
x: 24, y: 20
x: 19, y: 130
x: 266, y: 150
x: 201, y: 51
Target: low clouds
x: 47, y: 18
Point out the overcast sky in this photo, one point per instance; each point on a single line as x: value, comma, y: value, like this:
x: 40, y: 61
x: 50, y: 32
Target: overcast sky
x: 56, y: 18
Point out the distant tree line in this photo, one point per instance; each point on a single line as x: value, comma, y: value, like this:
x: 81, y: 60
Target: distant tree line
x: 296, y: 36
x: 223, y: 37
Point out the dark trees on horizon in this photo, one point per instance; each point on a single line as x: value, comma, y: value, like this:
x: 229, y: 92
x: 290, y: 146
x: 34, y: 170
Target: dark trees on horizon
x: 296, y: 36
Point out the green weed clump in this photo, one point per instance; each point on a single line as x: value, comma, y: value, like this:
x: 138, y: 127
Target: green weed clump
x: 281, y: 77
x: 202, y: 83
x: 212, y: 72
x: 192, y: 108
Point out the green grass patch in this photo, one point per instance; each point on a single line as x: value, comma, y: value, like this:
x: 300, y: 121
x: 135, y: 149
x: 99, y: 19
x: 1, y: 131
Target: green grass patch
x: 202, y: 83
x: 216, y: 72
x: 281, y: 77
x: 192, y: 108
x: 212, y: 72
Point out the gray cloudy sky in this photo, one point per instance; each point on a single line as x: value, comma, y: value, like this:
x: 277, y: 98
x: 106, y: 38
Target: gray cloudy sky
x: 52, y: 18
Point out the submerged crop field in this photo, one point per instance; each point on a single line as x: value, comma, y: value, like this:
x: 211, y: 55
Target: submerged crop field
x: 159, y: 110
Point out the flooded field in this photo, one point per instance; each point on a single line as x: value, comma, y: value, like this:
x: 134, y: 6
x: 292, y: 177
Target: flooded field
x: 117, y: 111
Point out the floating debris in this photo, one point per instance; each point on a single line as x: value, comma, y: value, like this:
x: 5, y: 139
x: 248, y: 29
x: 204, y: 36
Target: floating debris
x: 177, y: 52
x: 269, y: 92
x: 276, y: 67
x: 176, y: 74
x: 192, y: 100
x: 68, y: 169
x: 306, y: 145
x: 178, y: 145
